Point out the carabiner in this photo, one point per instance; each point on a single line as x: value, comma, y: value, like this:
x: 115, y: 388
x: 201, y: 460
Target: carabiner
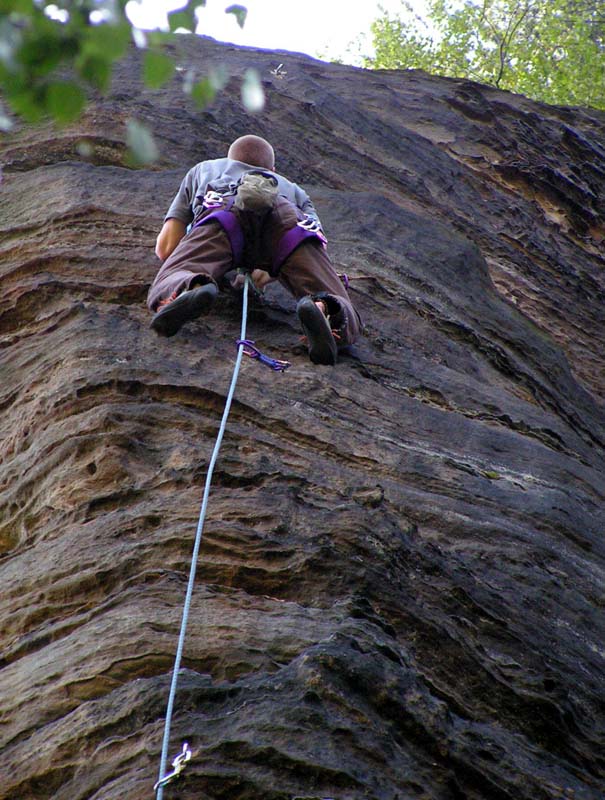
x: 178, y: 765
x: 251, y: 350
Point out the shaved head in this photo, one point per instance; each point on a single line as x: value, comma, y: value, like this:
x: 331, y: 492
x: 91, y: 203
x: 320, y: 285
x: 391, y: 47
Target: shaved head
x: 253, y: 150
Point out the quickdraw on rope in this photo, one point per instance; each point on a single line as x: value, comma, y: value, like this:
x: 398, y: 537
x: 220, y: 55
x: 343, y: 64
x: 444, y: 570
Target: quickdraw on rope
x: 181, y: 760
x: 251, y: 350
x: 178, y: 765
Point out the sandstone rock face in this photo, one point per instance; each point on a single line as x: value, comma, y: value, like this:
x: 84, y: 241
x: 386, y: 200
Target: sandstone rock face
x: 401, y: 585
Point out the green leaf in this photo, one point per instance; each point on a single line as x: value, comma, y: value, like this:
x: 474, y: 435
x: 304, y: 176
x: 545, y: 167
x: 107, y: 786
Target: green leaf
x: 158, y: 69
x: 253, y: 95
x: 239, y: 12
x: 182, y: 18
x: 26, y: 104
x: 16, y: 6
x: 141, y: 143
x: 203, y: 93
x: 189, y: 19
x: 42, y: 51
x: 6, y: 122
x: 10, y: 41
x: 157, y: 39
x: 95, y: 70
x: 64, y: 101
x: 218, y: 77
x: 105, y: 40
x: 85, y: 149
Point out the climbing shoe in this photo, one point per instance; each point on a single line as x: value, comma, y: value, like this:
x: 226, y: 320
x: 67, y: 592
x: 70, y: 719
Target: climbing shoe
x: 176, y: 310
x: 317, y: 330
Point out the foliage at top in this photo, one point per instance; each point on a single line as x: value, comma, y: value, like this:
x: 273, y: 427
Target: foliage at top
x: 550, y: 50
x: 53, y: 54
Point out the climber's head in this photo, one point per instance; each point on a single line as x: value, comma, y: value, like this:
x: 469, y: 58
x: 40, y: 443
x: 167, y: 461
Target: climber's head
x: 253, y: 150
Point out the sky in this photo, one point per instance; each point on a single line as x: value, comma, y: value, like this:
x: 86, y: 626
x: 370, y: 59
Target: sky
x: 319, y: 28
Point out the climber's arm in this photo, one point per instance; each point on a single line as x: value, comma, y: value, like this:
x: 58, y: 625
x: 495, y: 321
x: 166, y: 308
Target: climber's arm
x: 171, y: 234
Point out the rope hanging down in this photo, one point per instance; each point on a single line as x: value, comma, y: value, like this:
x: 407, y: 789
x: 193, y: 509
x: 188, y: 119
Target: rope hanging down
x: 181, y: 760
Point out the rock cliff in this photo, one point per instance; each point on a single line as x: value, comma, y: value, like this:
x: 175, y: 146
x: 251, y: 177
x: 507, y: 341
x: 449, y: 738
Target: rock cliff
x: 401, y: 584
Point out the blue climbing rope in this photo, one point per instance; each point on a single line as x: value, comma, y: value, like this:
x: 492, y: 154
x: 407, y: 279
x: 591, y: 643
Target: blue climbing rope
x: 180, y: 760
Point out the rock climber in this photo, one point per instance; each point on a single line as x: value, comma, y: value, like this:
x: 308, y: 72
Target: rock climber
x: 238, y: 212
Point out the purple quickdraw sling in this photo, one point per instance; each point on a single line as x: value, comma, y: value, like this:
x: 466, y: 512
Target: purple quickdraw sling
x: 251, y: 350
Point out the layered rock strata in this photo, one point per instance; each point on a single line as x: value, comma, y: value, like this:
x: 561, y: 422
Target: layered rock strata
x: 401, y: 583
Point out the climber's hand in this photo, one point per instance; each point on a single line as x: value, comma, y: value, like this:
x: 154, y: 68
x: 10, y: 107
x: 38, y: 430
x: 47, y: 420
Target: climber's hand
x: 260, y: 279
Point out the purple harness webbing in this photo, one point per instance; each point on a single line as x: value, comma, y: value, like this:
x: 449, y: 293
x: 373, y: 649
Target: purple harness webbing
x: 230, y: 224
x: 288, y: 244
x: 232, y: 228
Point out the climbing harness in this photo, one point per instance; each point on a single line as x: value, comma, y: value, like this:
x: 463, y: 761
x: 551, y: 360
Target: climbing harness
x: 311, y: 225
x: 230, y: 224
x: 221, y: 208
x: 306, y: 228
x: 212, y: 199
x: 181, y: 760
x: 251, y: 350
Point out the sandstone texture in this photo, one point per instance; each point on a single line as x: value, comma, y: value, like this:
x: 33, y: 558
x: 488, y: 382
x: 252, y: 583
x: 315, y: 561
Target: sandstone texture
x: 401, y: 586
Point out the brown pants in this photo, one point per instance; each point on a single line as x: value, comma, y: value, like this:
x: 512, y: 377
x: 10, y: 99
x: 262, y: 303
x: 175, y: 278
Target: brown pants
x: 204, y: 254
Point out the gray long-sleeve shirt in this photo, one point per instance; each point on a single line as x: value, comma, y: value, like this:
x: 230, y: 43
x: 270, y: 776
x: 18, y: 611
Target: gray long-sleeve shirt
x: 222, y: 175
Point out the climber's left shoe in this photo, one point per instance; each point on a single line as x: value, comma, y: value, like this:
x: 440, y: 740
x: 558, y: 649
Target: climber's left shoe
x: 178, y: 309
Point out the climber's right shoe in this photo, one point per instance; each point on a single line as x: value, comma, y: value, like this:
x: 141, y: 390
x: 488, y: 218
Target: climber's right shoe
x: 316, y: 326
x: 178, y: 309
